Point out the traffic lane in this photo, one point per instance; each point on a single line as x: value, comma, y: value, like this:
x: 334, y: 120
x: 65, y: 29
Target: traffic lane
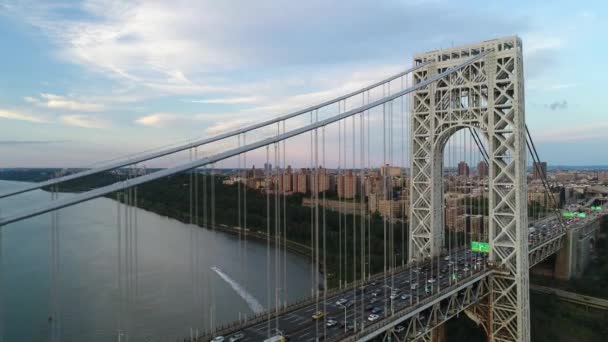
x: 299, y: 322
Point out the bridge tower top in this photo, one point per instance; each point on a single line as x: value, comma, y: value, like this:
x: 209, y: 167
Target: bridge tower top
x: 460, y: 53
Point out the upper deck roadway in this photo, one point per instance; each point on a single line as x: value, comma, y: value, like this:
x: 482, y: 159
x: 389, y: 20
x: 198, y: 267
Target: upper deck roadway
x: 415, y: 289
x: 299, y: 325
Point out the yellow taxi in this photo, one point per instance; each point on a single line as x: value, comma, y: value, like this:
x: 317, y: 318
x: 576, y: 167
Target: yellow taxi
x: 318, y: 315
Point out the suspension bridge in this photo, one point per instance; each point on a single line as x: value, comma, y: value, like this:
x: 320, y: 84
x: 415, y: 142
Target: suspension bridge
x: 401, y: 149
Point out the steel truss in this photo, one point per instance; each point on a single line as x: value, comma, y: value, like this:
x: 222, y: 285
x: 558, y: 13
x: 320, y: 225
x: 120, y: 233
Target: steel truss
x: 487, y: 95
x: 421, y: 319
x: 546, y: 248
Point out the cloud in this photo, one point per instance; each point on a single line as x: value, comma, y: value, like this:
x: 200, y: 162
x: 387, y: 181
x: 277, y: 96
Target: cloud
x: 31, y: 142
x: 61, y: 102
x: 219, y: 48
x: 84, y: 121
x: 541, y: 50
x: 159, y: 120
x: 550, y: 86
x: 572, y: 133
x: 225, y: 126
x: 30, y: 99
x: 229, y: 100
x: 558, y: 105
x: 16, y: 115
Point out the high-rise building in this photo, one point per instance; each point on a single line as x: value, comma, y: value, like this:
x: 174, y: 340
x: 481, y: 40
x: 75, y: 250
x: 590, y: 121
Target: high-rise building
x: 463, y: 169
x: 479, y: 227
x: 451, y: 216
x: 482, y: 169
x: 347, y: 185
x: 267, y: 167
x: 539, y: 170
x: 320, y: 180
x: 390, y: 171
x: 300, y: 181
x: 286, y: 180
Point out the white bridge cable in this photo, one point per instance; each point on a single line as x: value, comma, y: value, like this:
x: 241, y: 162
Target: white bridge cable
x: 99, y: 192
x: 543, y: 176
x: 197, y: 143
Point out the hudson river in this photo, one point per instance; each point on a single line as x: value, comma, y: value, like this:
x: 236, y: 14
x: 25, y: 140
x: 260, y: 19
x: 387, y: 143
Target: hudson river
x: 169, y: 299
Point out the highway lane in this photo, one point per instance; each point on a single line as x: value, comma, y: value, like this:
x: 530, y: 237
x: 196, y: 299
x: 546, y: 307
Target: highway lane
x: 415, y: 283
x: 298, y: 325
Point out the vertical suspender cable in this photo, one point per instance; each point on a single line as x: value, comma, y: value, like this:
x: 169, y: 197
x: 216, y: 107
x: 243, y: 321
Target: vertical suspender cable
x: 340, y: 206
x: 361, y: 192
x: 315, y: 193
x: 245, y: 229
x: 239, y: 208
x: 354, y: 224
x: 119, y: 260
x: 213, y: 305
x: 384, y: 195
x: 284, y: 287
x: 372, y: 181
x: 362, y: 208
x: 308, y: 177
x: 191, y: 243
x: 403, y: 182
x: 277, y: 234
x: 325, y: 188
x: 267, y: 187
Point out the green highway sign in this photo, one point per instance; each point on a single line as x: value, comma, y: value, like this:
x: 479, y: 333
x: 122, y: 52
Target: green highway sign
x: 597, y: 207
x: 568, y: 214
x: 477, y: 246
x: 581, y: 215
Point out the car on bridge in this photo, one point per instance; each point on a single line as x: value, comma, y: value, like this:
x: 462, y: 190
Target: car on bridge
x: 349, y: 325
x: 217, y: 339
x: 373, y: 317
x: 238, y: 336
x: 331, y: 323
x: 318, y: 315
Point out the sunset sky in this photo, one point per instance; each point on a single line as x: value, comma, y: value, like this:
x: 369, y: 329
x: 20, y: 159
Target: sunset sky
x: 83, y: 81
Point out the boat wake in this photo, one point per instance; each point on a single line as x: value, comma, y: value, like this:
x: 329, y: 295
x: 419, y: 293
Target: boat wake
x: 253, y: 303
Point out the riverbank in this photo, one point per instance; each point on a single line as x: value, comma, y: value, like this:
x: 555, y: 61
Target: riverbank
x: 180, y: 197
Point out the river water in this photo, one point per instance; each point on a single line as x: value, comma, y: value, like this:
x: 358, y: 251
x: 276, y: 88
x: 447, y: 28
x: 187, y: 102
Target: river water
x: 169, y: 301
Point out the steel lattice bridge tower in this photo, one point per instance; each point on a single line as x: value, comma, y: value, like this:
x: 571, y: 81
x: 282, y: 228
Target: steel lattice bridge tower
x: 487, y: 95
x: 476, y: 87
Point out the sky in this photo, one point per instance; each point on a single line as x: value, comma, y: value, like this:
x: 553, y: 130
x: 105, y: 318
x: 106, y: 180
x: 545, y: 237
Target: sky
x: 85, y: 81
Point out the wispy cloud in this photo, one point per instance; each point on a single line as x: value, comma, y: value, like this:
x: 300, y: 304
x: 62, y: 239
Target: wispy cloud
x: 550, y: 86
x: 53, y: 101
x: 228, y: 100
x: 21, y: 116
x: 187, y: 47
x: 160, y: 120
x: 573, y: 133
x: 31, y: 142
x: 84, y: 121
